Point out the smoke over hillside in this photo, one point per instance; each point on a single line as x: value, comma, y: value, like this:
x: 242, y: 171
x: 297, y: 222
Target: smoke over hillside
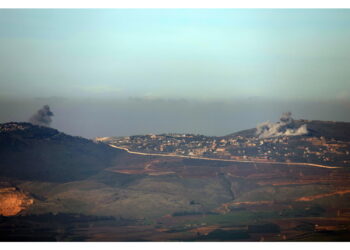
x: 42, y: 116
x: 285, y: 127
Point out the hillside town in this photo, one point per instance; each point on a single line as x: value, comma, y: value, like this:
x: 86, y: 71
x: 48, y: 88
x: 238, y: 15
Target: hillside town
x: 281, y: 149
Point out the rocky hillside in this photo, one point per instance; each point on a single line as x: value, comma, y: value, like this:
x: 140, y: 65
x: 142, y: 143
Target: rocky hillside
x: 13, y: 201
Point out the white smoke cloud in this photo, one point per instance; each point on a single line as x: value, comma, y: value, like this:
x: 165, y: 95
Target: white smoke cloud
x: 285, y: 127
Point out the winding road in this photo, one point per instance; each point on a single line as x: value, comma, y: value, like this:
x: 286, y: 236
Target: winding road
x: 226, y: 160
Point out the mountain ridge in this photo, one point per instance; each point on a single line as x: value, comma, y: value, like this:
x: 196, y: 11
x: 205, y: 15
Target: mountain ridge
x: 35, y: 152
x: 329, y: 129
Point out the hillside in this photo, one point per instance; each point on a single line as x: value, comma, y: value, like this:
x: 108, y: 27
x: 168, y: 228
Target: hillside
x: 328, y: 129
x: 65, y: 188
x: 31, y: 152
x: 289, y: 140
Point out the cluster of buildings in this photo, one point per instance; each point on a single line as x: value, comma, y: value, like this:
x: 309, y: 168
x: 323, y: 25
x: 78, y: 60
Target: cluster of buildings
x: 302, y: 149
x: 12, y: 126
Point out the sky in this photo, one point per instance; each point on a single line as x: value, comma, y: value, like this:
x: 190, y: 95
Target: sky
x: 236, y: 57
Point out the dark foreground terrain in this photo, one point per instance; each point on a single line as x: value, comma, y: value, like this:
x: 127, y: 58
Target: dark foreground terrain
x: 56, y: 187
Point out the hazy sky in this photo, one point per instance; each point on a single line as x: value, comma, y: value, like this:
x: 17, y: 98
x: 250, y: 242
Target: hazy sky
x: 193, y: 53
x: 210, y: 71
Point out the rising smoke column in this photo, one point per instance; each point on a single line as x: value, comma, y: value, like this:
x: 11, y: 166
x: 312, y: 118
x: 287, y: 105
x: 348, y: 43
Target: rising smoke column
x: 286, y: 117
x: 42, y: 116
x: 285, y: 127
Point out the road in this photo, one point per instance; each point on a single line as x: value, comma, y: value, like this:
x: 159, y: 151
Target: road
x: 226, y: 160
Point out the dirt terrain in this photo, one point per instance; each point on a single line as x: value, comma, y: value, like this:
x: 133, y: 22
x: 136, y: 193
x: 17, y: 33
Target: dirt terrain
x: 13, y: 201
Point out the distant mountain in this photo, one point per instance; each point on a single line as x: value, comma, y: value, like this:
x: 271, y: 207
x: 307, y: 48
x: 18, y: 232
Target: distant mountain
x: 328, y: 129
x: 31, y: 152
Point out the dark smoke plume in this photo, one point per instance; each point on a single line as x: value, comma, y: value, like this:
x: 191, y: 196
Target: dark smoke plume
x: 42, y: 116
x: 285, y: 127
